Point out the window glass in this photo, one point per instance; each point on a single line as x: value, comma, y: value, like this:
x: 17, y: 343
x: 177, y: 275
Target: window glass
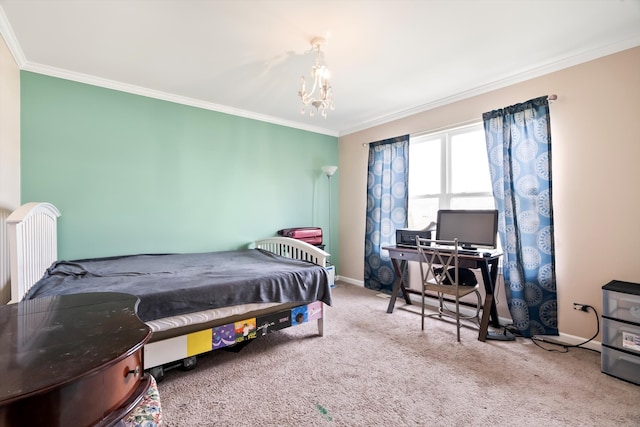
x: 448, y: 170
x: 424, y: 167
x: 472, y: 203
x: 469, y: 165
x: 422, y: 212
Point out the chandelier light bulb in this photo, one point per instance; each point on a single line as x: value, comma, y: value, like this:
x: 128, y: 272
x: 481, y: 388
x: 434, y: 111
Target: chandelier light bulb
x: 320, y: 75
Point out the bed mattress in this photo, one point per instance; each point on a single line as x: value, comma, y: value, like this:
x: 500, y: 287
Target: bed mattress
x: 178, y: 284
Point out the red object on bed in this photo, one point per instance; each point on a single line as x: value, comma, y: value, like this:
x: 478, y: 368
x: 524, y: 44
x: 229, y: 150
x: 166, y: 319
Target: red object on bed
x: 311, y: 235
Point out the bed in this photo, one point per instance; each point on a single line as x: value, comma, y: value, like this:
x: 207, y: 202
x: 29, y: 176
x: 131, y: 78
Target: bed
x: 193, y: 303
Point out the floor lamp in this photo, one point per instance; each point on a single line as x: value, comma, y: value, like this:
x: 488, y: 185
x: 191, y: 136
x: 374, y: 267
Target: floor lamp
x: 329, y: 171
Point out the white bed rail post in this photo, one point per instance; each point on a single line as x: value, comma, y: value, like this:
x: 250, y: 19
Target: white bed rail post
x: 321, y: 320
x: 297, y: 249
x: 5, y: 264
x: 292, y: 248
x: 33, y: 245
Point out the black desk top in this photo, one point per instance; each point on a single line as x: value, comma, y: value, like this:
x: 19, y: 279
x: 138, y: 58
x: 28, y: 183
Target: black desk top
x: 472, y: 255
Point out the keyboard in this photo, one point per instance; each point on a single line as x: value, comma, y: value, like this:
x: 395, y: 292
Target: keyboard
x: 460, y: 251
x: 469, y: 252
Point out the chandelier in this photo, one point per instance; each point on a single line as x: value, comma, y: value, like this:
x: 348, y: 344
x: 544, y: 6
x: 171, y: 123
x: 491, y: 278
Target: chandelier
x: 320, y: 75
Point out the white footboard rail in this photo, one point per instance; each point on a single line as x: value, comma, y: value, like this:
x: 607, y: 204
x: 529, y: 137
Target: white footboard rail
x: 297, y: 249
x: 291, y: 248
x: 33, y: 245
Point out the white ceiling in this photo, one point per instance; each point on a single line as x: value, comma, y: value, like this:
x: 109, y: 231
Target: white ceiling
x: 388, y: 58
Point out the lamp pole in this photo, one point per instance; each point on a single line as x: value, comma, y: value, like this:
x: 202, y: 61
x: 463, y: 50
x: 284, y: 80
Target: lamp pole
x: 329, y: 171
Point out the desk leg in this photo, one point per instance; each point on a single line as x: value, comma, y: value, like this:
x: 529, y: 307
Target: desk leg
x: 489, y: 311
x: 398, y: 285
x: 484, y: 322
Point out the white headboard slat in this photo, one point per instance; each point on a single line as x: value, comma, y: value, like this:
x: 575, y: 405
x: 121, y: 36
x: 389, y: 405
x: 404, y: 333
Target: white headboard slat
x: 33, y: 232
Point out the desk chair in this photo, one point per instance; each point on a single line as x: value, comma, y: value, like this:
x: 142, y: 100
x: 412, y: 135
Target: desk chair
x: 439, y: 272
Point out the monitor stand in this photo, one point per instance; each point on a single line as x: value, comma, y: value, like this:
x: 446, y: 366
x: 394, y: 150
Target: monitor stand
x: 468, y: 250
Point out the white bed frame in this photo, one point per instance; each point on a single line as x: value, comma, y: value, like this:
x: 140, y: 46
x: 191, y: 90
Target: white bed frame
x: 32, y: 231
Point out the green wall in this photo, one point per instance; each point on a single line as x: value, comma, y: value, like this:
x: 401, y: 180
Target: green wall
x: 132, y: 174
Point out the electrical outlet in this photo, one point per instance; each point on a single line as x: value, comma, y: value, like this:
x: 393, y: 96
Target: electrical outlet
x: 581, y: 307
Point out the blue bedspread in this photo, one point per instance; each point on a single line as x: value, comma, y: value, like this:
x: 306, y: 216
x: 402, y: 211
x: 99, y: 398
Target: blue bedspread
x: 174, y: 284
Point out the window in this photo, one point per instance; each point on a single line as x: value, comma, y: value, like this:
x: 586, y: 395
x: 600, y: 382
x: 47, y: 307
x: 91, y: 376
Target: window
x: 448, y: 170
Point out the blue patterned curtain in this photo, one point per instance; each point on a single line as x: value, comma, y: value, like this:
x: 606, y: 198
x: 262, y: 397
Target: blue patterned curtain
x: 387, y: 201
x: 519, y: 147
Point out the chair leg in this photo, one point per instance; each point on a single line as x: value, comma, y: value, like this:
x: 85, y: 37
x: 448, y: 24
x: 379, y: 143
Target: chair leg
x: 479, y: 306
x: 423, y: 308
x: 458, y: 317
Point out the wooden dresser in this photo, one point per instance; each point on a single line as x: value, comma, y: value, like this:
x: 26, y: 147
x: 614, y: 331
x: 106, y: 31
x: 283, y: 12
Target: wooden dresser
x: 71, y: 360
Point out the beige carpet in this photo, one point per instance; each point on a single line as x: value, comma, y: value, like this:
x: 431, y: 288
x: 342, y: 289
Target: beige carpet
x: 379, y: 369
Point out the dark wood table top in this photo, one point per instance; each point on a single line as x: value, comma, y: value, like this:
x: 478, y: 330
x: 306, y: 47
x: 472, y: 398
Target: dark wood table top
x: 48, y: 342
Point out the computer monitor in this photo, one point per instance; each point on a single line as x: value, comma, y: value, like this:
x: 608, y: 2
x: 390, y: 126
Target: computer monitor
x: 474, y: 228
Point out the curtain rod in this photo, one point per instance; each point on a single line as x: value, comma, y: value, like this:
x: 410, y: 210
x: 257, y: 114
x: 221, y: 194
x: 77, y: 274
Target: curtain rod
x: 553, y: 97
x: 452, y: 126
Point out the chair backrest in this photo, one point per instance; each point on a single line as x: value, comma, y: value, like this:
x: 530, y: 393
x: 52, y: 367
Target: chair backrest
x: 438, y: 261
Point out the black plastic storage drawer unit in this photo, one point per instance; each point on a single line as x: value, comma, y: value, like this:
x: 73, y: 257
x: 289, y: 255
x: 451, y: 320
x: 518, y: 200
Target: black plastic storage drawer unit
x: 621, y: 330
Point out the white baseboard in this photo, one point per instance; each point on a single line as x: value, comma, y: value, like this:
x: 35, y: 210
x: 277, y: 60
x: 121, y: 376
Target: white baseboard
x: 350, y: 281
x: 562, y: 339
x: 569, y: 340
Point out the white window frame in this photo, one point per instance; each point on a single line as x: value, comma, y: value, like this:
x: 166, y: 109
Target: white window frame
x: 445, y: 195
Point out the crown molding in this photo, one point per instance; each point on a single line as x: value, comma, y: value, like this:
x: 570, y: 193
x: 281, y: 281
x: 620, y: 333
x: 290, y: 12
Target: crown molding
x: 14, y: 47
x: 551, y: 66
x: 164, y: 96
x: 10, y: 39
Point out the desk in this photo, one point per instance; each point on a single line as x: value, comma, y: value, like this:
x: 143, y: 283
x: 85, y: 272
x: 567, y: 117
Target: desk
x: 488, y: 266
